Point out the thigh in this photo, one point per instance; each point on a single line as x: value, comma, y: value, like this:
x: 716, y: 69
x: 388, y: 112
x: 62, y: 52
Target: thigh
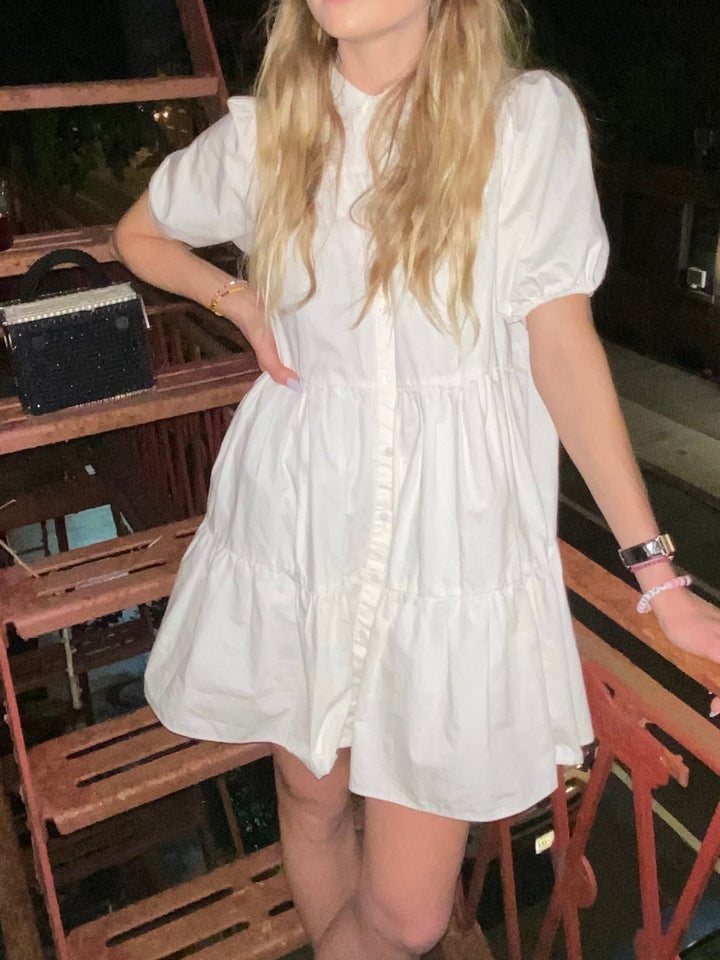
x: 323, y: 797
x: 411, y: 862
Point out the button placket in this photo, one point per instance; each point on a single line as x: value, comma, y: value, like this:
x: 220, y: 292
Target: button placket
x: 379, y: 542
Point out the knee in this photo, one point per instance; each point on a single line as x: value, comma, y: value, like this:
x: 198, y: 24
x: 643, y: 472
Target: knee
x: 414, y: 928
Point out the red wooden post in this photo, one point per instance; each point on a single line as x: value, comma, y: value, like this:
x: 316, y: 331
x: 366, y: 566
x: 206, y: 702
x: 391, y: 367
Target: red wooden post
x: 17, y: 921
x: 487, y: 851
x: 37, y: 826
x: 512, y: 925
x: 651, y: 933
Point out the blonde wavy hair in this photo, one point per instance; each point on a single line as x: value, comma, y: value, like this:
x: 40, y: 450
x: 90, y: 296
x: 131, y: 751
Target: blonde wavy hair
x: 430, y: 161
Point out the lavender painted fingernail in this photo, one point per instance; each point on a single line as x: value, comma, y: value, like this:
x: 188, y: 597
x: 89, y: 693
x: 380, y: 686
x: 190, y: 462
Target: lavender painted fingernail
x: 294, y: 385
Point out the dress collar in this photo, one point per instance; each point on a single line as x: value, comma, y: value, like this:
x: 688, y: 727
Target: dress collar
x: 349, y: 99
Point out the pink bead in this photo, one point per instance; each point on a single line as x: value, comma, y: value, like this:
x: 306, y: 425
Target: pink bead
x: 644, y: 602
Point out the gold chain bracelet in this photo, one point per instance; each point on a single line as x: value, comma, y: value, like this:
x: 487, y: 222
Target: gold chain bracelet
x: 232, y: 286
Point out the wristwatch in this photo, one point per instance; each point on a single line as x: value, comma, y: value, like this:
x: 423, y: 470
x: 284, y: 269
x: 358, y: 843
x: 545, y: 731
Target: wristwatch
x: 660, y: 546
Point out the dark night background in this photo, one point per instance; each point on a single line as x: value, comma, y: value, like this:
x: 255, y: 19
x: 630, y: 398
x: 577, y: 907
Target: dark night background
x: 55, y: 41
x: 648, y: 72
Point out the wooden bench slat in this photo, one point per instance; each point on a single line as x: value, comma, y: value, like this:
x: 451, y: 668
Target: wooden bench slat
x: 103, y: 570
x: 194, y: 913
x: 46, y: 567
x: 139, y: 761
x: 104, y: 761
x: 93, y: 581
x: 50, y: 96
x: 27, y: 248
x: 98, y: 600
x: 191, y: 388
x: 233, y: 909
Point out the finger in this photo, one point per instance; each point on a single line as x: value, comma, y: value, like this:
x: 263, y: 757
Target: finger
x: 282, y: 374
x: 269, y: 360
x: 289, y: 378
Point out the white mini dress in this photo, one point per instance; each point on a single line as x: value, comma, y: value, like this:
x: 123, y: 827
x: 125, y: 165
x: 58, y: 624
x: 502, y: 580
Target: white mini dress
x: 378, y: 566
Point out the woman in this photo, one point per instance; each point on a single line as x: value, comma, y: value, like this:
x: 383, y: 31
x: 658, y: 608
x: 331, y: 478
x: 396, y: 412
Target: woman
x: 376, y: 588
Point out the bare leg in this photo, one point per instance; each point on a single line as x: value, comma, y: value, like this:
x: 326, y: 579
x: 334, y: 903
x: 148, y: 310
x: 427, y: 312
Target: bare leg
x: 402, y: 905
x: 320, y: 846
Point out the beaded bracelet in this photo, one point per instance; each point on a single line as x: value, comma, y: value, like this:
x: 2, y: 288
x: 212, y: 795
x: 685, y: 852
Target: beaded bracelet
x: 644, y: 602
x: 232, y: 286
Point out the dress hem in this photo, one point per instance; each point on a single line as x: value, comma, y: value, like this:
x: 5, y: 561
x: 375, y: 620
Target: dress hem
x: 564, y: 756
x: 202, y: 731
x: 498, y: 813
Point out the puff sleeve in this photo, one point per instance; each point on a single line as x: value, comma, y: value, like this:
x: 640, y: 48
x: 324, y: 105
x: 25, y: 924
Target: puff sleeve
x: 551, y: 237
x: 204, y: 194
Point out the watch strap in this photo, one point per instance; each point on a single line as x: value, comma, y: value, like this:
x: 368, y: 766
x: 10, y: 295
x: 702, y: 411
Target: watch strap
x: 661, y: 546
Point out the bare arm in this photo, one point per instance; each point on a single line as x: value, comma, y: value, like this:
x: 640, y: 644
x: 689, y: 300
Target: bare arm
x: 572, y: 377
x: 172, y: 265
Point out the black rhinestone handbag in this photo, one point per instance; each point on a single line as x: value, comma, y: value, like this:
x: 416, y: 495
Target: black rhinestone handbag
x: 79, y: 347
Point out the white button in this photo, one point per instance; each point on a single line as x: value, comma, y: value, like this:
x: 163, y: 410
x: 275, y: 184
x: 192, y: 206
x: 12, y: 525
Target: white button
x: 386, y: 378
x: 388, y: 451
x: 385, y: 516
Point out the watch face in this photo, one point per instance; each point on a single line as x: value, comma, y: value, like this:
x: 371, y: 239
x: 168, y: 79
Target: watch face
x: 660, y: 546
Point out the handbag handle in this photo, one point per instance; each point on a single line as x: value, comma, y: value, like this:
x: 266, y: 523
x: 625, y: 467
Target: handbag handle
x: 40, y: 269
